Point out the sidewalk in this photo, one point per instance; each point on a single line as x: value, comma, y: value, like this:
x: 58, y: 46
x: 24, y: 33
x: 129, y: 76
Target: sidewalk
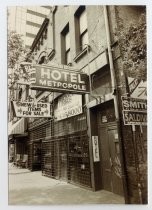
x: 31, y: 188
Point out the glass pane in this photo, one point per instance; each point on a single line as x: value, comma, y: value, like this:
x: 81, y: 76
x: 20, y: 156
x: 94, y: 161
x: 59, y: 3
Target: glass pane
x: 83, y: 22
x: 68, y: 57
x: 67, y: 41
x: 84, y: 40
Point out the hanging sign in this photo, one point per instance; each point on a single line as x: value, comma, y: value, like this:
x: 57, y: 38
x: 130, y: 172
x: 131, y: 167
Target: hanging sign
x: 31, y: 109
x: 134, y: 104
x: 58, y: 79
x: 68, y: 105
x: 95, y: 145
x: 134, y: 111
x: 137, y: 88
x: 134, y: 118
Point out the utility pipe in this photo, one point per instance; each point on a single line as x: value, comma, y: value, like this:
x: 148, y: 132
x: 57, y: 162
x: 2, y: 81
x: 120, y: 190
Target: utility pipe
x: 113, y: 81
x: 112, y: 72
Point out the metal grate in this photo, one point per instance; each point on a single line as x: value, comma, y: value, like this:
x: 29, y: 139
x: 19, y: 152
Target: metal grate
x: 48, y: 158
x: 67, y: 158
x: 36, y: 134
x: 65, y: 151
x: 79, y: 162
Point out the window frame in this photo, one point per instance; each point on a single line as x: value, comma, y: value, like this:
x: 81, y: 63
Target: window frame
x: 78, y: 35
x: 64, y: 50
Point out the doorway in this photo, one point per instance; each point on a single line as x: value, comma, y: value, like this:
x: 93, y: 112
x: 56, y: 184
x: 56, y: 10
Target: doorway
x: 110, y: 157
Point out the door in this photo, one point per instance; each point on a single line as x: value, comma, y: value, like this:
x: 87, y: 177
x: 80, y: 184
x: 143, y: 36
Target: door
x: 110, y: 158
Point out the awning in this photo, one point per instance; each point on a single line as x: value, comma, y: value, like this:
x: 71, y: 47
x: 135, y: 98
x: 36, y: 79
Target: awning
x: 17, y: 128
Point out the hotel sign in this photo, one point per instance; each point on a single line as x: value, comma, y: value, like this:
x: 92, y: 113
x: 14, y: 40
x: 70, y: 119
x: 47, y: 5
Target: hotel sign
x: 31, y: 109
x: 58, y: 79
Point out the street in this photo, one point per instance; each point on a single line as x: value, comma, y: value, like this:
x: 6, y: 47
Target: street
x: 31, y: 188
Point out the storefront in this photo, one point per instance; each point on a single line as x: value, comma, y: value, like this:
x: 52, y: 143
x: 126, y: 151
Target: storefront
x: 18, y: 138
x: 37, y: 132
x: 65, y: 154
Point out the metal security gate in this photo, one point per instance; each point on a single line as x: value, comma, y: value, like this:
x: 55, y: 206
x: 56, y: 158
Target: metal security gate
x: 54, y: 158
x: 78, y: 160
x: 67, y: 158
x: 37, y: 132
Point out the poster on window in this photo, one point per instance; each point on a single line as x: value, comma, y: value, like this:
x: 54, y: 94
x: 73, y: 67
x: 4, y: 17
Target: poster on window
x: 68, y: 105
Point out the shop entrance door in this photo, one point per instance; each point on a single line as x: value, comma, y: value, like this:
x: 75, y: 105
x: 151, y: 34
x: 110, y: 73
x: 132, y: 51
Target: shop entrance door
x: 110, y: 158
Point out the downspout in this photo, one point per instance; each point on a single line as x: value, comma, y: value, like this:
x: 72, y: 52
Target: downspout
x: 115, y: 97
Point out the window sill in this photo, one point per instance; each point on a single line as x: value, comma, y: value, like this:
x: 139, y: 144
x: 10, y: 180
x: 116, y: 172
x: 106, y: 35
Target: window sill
x: 82, y: 53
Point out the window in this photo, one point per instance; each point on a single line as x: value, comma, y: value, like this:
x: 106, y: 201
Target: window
x: 65, y: 46
x: 81, y: 28
x: 67, y: 49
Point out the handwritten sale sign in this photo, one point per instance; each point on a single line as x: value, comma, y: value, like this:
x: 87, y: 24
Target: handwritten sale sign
x: 31, y: 109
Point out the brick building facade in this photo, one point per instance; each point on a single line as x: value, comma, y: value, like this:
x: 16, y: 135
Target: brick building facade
x: 89, y: 145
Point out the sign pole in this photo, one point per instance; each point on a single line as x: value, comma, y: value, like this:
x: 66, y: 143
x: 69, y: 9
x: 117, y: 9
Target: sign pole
x: 136, y: 163
x: 142, y: 142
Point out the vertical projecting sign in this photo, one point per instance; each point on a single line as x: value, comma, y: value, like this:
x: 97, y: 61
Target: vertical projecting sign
x: 95, y: 148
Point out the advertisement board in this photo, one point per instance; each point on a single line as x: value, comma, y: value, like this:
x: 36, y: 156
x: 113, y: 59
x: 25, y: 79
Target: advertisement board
x: 68, y: 105
x: 137, y: 88
x: 58, y: 79
x: 134, y: 118
x: 134, y: 111
x: 134, y: 104
x: 31, y: 109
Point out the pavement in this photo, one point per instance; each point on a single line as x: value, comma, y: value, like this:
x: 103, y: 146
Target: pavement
x: 31, y: 188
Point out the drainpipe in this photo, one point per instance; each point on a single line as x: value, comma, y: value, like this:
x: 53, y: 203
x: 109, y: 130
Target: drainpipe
x: 115, y: 97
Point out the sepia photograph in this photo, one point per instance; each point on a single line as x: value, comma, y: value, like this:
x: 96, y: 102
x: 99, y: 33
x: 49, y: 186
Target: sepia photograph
x: 77, y: 104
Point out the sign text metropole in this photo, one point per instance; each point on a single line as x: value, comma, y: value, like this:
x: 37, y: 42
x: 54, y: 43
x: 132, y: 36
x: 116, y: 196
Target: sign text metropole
x: 31, y: 109
x: 58, y: 79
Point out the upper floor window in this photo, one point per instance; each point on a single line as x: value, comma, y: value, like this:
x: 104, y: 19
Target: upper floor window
x: 81, y: 29
x: 65, y: 46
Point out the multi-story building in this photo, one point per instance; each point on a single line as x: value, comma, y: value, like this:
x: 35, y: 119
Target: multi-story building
x: 87, y: 140
x: 27, y: 21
